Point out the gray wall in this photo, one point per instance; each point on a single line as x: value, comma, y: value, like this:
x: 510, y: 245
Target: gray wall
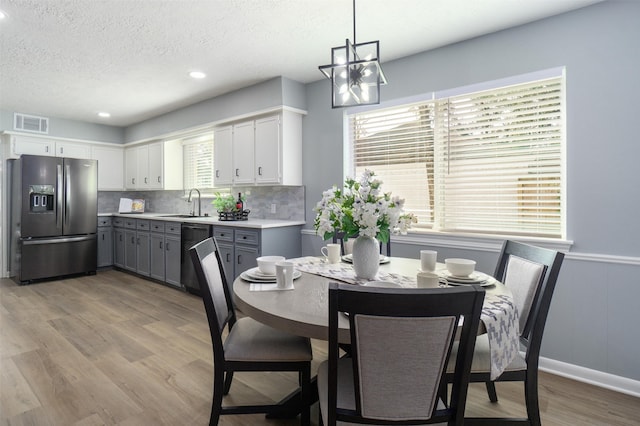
x: 592, y: 321
x: 70, y: 129
x: 269, y: 94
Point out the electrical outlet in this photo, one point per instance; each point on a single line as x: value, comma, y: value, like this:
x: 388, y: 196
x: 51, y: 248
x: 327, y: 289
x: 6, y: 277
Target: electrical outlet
x: 273, y: 208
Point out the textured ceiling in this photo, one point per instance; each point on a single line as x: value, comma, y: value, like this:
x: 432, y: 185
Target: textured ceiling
x: 74, y: 58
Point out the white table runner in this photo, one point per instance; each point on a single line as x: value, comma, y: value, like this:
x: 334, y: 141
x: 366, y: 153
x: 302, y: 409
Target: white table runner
x: 499, y: 314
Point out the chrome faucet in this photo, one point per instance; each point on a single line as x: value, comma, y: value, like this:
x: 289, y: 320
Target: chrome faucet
x: 193, y: 213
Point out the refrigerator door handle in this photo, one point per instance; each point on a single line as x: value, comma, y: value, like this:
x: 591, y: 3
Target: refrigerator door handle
x: 59, y: 195
x: 67, y: 192
x: 40, y: 241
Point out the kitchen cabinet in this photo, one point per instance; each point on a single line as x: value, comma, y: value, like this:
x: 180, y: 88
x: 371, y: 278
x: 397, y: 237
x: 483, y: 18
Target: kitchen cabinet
x: 157, y: 165
x: 31, y: 145
x: 263, y: 151
x: 143, y: 248
x: 172, y: 253
x: 165, y: 252
x: 278, y: 149
x: 223, y: 155
x: 110, y: 167
x: 73, y: 150
x: 157, y: 258
x: 243, y: 154
x: 119, y: 242
x: 240, y: 247
x: 105, y: 242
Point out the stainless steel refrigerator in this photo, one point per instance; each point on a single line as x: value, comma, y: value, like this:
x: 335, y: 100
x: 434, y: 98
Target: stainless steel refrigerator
x: 54, y: 220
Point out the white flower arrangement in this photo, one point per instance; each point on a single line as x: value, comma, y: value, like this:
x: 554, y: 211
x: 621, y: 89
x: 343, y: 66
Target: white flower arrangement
x: 360, y: 208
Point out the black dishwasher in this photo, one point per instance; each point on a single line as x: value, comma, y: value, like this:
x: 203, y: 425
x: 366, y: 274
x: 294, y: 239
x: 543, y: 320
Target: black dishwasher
x: 191, y: 234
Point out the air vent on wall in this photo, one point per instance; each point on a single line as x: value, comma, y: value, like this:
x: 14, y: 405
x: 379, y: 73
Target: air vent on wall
x: 30, y: 123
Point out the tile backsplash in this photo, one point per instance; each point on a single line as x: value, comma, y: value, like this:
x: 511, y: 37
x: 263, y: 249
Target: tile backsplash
x: 288, y: 200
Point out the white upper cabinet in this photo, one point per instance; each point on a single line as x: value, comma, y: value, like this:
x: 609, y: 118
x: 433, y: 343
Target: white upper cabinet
x: 157, y: 165
x: 223, y: 156
x: 243, y: 157
x: 73, y: 150
x: 264, y: 151
x: 30, y: 145
x: 110, y: 167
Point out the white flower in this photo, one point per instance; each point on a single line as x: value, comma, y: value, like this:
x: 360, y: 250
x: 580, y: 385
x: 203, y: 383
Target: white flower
x: 360, y: 208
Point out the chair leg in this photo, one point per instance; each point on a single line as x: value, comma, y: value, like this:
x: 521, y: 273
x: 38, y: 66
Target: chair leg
x: 216, y: 405
x: 491, y: 391
x: 531, y: 399
x: 305, y: 393
x: 227, y: 382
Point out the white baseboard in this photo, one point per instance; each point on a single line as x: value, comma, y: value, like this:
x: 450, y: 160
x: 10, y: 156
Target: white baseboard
x: 593, y: 377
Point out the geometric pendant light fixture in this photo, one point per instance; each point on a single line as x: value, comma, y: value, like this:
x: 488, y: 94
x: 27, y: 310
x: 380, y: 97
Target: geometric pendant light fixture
x: 355, y: 72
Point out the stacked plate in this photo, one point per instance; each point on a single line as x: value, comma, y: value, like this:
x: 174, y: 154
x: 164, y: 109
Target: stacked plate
x: 349, y: 259
x: 255, y: 275
x: 474, y: 278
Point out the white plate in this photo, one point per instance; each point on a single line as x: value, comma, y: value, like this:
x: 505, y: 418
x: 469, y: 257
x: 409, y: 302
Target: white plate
x: 487, y: 283
x: 349, y: 259
x: 473, y: 277
x: 387, y: 284
x: 249, y: 275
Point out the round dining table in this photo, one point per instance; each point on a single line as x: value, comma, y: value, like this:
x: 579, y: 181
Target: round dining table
x: 303, y: 310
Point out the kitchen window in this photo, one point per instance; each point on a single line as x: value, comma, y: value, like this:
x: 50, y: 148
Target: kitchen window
x: 198, y: 161
x: 485, y: 161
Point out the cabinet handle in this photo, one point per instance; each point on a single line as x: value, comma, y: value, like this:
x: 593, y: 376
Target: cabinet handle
x: 46, y: 149
x: 138, y: 241
x: 260, y: 171
x: 160, y: 245
x: 145, y: 179
x: 166, y: 246
x: 228, y: 258
x: 133, y: 181
x: 133, y: 240
x: 217, y: 173
x: 61, y: 150
x: 120, y: 237
x: 158, y: 179
x: 239, y: 259
x: 237, y: 172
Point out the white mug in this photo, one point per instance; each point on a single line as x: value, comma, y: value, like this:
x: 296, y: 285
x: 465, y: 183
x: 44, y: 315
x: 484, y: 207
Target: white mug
x: 428, y: 280
x: 284, y: 274
x: 331, y: 253
x: 428, y: 260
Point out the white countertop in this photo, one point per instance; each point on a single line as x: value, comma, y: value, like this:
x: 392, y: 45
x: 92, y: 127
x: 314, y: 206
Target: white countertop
x: 211, y: 220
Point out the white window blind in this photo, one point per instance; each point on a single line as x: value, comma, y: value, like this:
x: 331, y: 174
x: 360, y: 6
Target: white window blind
x: 487, y: 162
x: 397, y: 143
x: 198, y: 161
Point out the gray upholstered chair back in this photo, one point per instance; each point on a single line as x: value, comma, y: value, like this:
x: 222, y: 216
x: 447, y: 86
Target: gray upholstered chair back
x: 213, y: 277
x: 523, y: 277
x: 399, y: 374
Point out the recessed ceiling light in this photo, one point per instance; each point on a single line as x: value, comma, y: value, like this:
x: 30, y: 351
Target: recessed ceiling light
x: 197, y: 74
x: 104, y: 114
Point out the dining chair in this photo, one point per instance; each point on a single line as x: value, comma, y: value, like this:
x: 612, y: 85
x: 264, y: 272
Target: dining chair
x: 530, y: 273
x: 400, y: 340
x: 249, y: 345
x: 346, y: 246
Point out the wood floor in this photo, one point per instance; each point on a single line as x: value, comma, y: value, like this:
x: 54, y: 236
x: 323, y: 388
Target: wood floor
x: 113, y: 349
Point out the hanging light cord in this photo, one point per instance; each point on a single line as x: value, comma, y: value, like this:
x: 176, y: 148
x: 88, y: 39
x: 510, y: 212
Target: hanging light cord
x: 354, y: 22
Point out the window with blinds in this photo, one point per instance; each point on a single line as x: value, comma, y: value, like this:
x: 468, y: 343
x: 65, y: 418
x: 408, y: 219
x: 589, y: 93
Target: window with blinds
x: 198, y: 161
x: 485, y: 162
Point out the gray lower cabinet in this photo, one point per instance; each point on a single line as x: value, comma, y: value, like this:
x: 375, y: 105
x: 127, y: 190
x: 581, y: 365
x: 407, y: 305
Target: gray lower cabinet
x: 143, y: 248
x: 165, y: 252
x: 119, y: 241
x: 240, y: 247
x: 172, y: 258
x: 105, y: 242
